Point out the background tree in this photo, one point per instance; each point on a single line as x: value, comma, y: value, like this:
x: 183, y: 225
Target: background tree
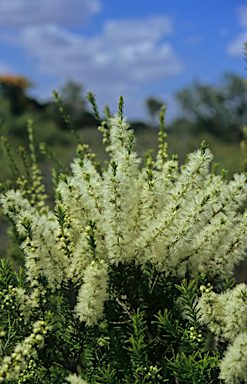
x: 220, y: 111
x: 75, y: 103
x: 153, y: 107
x: 13, y: 88
x: 72, y: 95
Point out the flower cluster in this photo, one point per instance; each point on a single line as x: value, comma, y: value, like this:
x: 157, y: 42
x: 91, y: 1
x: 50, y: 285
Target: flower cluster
x: 74, y: 379
x: 23, y: 352
x: 93, y: 293
x: 195, y: 336
x: 177, y: 221
x: 225, y: 315
x: 233, y: 367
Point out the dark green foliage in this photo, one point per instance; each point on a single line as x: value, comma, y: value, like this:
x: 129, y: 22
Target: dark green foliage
x: 150, y: 333
x: 189, y: 299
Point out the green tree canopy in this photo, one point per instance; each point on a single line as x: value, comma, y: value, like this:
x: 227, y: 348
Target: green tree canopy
x: 153, y: 106
x: 75, y: 102
x: 221, y: 111
x: 13, y: 88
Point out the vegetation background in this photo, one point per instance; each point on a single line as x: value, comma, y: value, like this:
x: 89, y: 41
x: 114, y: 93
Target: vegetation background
x: 217, y: 115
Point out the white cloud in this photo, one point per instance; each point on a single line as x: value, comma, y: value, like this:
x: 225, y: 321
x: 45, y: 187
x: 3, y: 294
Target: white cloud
x: 5, y: 68
x: 126, y: 51
x: 236, y: 47
x: 127, y: 55
x: 123, y: 59
x: 131, y: 30
x: 17, y: 13
x: 242, y: 15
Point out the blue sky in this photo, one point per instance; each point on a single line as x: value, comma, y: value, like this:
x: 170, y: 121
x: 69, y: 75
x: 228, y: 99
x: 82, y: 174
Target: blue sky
x: 134, y: 48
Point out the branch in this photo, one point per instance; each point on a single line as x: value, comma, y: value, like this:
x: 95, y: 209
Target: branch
x: 122, y: 305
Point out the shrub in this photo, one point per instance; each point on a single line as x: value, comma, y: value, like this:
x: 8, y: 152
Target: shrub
x: 126, y: 280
